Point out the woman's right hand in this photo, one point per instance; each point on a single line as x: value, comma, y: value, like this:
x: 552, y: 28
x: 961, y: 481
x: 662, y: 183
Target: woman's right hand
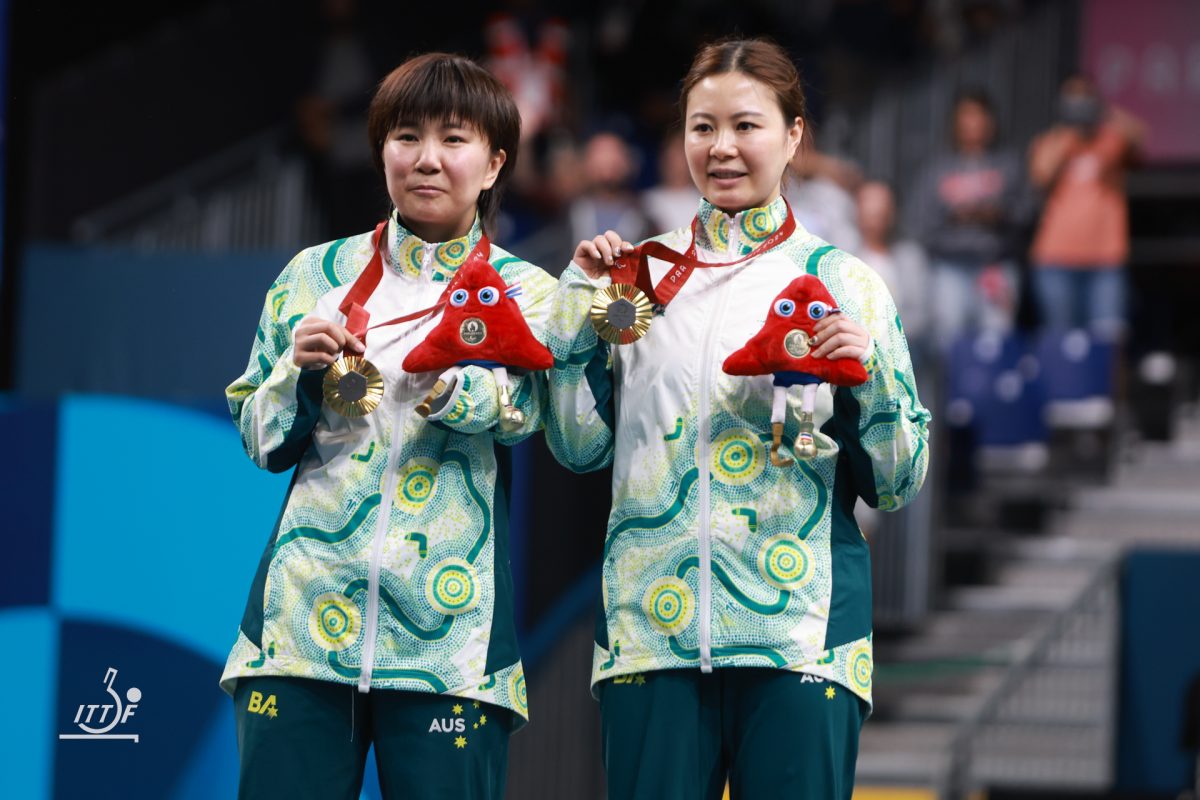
x: 595, y: 256
x: 319, y: 343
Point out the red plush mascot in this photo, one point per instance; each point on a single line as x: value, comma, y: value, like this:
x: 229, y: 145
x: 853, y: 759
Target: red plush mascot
x: 481, y: 324
x: 782, y: 348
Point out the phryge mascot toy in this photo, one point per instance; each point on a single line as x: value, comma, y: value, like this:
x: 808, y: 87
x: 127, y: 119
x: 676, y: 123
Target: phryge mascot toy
x: 481, y: 325
x: 782, y: 348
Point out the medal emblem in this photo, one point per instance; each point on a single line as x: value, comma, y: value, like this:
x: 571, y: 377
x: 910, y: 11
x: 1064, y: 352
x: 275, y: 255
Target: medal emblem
x: 353, y: 387
x: 621, y: 313
x: 796, y: 344
x: 472, y: 331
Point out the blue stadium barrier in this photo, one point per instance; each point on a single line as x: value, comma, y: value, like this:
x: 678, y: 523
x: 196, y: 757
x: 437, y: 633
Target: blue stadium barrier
x: 1078, y: 371
x: 996, y: 387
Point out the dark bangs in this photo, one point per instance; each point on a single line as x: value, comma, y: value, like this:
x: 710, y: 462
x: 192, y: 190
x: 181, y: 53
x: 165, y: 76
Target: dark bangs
x: 444, y: 87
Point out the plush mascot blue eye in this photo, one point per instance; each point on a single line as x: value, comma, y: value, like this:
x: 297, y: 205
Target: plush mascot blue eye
x: 818, y: 310
x: 785, y: 307
x: 489, y: 296
x: 459, y: 297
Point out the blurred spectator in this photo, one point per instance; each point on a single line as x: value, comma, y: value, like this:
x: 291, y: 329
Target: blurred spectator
x: 957, y: 25
x: 673, y: 201
x: 965, y: 208
x: 332, y: 122
x: 536, y: 77
x: 822, y: 196
x: 545, y: 195
x: 901, y: 264
x: 607, y: 202
x: 1082, y: 241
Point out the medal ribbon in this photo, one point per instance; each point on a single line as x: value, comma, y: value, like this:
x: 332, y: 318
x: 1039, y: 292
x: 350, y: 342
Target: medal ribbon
x: 635, y: 267
x: 353, y: 307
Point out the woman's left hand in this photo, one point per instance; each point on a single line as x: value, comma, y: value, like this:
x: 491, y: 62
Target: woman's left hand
x: 838, y: 336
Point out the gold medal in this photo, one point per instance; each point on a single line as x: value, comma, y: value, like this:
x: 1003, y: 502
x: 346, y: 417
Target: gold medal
x: 353, y: 387
x: 621, y: 313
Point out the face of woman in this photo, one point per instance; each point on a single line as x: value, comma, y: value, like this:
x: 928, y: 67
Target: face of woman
x: 737, y: 142
x: 435, y: 172
x: 973, y: 127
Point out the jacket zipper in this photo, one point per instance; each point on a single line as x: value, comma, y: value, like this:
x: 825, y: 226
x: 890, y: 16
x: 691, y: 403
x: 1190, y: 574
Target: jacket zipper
x: 371, y: 628
x: 704, y: 435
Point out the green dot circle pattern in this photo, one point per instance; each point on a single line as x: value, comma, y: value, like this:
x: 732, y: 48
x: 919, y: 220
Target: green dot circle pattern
x: 416, y: 484
x: 452, y: 587
x: 859, y: 668
x: 785, y: 562
x: 669, y: 605
x: 334, y: 622
x: 738, y: 457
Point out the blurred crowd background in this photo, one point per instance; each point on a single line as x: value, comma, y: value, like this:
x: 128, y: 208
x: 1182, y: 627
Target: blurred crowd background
x: 1024, y: 174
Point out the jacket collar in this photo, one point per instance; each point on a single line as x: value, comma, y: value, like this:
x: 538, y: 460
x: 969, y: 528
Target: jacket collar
x: 410, y: 255
x: 739, y: 234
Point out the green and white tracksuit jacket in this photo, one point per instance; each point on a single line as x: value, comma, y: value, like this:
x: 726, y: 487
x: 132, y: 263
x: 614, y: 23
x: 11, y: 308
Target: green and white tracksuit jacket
x: 389, y: 566
x: 715, y: 558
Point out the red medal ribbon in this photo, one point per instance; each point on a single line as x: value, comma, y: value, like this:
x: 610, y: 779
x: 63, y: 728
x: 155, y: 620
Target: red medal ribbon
x: 353, y: 307
x: 635, y: 267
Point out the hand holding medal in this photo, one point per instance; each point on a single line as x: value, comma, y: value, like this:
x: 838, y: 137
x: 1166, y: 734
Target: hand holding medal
x: 352, y: 386
x: 597, y: 256
x: 622, y: 312
x: 319, y: 343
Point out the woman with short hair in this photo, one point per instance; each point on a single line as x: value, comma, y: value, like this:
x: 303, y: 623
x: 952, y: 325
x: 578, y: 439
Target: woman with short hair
x: 382, y: 611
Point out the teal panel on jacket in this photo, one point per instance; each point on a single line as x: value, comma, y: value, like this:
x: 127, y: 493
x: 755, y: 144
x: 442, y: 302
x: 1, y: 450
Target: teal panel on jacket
x: 850, y: 605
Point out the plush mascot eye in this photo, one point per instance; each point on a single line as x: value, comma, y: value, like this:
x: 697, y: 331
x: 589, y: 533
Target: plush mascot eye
x: 785, y: 308
x: 459, y: 297
x: 818, y: 310
x: 489, y: 296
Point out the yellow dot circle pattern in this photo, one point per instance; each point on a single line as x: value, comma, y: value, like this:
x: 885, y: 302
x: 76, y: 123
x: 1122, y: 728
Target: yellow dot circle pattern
x: 410, y: 254
x: 718, y: 231
x: 335, y: 621
x: 738, y: 457
x: 757, y: 224
x: 452, y: 253
x: 669, y: 605
x: 785, y: 562
x: 859, y: 668
x: 452, y: 587
x: 418, y: 479
x: 516, y: 691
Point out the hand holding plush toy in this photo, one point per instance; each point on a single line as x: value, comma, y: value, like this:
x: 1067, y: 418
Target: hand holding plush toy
x: 482, y: 325
x: 783, y: 347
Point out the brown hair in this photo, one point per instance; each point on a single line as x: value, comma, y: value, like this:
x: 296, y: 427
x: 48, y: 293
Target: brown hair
x: 759, y: 58
x: 443, y: 86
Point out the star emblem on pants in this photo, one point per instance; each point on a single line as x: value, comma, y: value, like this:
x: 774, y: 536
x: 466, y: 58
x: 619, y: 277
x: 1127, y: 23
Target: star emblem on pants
x: 460, y: 742
x: 830, y: 693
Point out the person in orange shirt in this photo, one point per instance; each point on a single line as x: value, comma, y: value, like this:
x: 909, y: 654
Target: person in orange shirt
x: 1082, y: 240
